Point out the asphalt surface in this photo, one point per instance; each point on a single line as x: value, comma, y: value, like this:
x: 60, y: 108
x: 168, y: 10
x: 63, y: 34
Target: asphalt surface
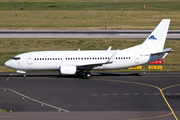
x: 104, y: 96
x: 140, y: 34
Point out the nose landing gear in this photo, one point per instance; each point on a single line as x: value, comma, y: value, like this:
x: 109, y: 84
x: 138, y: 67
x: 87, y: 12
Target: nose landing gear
x: 22, y: 72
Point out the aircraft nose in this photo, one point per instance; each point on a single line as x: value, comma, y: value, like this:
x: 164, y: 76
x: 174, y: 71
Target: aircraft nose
x: 7, y: 63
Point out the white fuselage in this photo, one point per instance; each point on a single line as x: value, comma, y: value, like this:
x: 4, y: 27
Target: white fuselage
x: 52, y: 60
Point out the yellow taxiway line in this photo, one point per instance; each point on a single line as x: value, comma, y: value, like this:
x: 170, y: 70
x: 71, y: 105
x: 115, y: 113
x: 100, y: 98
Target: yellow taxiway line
x: 172, y: 112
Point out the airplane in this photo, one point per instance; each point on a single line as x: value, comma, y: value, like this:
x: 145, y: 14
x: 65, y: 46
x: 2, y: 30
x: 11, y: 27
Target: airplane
x: 83, y: 61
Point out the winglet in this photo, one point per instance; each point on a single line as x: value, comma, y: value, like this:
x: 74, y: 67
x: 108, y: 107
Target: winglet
x: 111, y: 60
x: 109, y: 48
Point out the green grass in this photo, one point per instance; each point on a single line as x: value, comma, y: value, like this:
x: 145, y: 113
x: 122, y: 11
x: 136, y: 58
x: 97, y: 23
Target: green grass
x: 86, y: 19
x: 3, y: 110
x: 84, y: 14
x: 89, y: 6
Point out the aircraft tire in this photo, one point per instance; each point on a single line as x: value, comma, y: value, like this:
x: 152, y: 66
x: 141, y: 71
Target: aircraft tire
x: 88, y: 74
x: 24, y: 75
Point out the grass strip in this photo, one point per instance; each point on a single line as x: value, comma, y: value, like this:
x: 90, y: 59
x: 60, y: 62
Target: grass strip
x: 87, y: 19
x: 79, y: 6
x: 84, y: 14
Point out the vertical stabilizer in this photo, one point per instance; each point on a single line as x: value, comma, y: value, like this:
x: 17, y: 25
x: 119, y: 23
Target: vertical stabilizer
x: 156, y: 40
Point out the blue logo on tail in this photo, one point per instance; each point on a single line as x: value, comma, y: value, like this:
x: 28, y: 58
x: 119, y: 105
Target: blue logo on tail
x: 152, y: 37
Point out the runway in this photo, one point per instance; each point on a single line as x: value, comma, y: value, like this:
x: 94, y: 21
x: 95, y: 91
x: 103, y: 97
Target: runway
x: 126, y: 34
x: 127, y: 96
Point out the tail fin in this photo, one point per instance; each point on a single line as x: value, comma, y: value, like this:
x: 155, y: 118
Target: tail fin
x: 156, y: 40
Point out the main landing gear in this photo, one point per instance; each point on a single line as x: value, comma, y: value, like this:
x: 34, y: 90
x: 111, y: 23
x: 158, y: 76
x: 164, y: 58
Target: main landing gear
x: 24, y: 75
x: 87, y: 74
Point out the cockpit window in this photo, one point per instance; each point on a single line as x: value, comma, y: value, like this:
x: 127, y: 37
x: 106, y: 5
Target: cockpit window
x: 16, y: 58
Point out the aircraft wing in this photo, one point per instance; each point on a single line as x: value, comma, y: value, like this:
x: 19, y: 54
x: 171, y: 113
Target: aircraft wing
x: 89, y: 66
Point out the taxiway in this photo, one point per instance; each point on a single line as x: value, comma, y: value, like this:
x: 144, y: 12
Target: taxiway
x: 103, y: 96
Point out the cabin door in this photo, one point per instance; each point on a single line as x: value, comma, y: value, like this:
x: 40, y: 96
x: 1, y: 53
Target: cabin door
x: 136, y: 58
x: 29, y: 59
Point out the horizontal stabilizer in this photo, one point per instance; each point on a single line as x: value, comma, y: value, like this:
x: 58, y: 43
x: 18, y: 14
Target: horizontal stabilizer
x: 164, y: 51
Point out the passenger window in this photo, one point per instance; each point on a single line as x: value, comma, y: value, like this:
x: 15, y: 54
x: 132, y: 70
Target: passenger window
x: 34, y: 58
x: 42, y: 58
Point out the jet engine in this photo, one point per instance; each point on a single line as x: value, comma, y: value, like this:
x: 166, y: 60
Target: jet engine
x: 67, y: 70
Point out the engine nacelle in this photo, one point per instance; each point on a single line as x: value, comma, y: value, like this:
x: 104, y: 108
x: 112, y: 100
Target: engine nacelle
x: 67, y: 70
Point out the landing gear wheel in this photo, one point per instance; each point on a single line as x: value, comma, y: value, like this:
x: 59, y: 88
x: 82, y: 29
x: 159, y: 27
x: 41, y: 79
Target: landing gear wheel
x: 88, y: 74
x: 24, y: 75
